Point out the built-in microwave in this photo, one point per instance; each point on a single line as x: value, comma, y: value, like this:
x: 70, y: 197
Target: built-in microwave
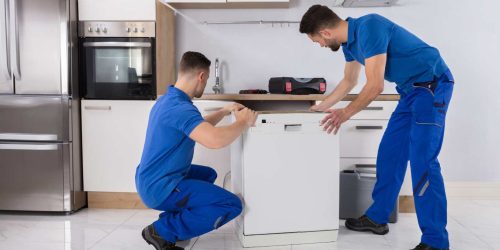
x: 117, y: 60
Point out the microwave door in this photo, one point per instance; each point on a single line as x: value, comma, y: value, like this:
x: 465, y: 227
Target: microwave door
x: 6, y: 83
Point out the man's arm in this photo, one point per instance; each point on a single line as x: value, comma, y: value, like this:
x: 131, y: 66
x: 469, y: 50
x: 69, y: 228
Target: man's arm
x: 351, y: 74
x: 218, y: 137
x: 215, y: 117
x: 374, y: 69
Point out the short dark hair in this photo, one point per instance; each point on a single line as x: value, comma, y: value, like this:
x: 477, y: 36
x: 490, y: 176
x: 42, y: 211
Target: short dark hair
x: 318, y: 17
x: 191, y: 61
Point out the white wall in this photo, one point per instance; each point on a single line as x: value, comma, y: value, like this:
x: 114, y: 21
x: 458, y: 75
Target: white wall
x: 466, y: 32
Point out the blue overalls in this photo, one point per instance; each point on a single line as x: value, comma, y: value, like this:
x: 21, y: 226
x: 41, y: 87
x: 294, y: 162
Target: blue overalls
x: 415, y: 130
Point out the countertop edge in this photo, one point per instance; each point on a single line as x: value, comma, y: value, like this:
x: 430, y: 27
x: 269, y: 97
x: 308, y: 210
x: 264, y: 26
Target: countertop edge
x: 278, y: 97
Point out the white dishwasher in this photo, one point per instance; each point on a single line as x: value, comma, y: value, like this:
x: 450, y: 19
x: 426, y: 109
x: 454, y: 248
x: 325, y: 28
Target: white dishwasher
x: 286, y: 170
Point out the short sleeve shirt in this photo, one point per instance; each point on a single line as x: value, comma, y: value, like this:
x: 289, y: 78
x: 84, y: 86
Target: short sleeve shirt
x: 168, y: 150
x: 409, y: 59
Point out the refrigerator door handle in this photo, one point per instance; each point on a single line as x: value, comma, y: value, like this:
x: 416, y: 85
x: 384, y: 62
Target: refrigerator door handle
x: 28, y: 137
x: 4, y: 43
x: 38, y: 147
x: 14, y: 40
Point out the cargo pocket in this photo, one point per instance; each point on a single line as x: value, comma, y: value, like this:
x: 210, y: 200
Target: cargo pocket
x: 429, y: 109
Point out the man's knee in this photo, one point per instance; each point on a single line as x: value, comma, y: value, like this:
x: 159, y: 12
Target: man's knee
x: 236, y: 205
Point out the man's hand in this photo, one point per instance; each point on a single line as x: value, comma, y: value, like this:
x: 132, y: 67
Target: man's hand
x: 247, y: 116
x: 228, y: 109
x: 332, y: 121
x: 319, y: 108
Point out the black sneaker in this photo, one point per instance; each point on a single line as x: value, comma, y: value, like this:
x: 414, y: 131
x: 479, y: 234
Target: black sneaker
x: 150, y: 235
x: 423, y: 246
x: 363, y: 224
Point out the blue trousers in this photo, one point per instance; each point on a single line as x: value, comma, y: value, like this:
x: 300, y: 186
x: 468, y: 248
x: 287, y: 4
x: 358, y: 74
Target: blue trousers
x: 196, y: 206
x: 415, y: 133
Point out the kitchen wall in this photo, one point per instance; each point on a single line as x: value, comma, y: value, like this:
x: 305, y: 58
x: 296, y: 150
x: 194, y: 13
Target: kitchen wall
x: 466, y: 32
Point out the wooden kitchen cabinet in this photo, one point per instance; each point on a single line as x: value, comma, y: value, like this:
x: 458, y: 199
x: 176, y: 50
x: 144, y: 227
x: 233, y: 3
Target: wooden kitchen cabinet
x: 113, y: 134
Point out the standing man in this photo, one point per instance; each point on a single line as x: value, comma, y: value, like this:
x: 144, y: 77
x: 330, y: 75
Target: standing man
x: 416, y: 128
x: 165, y: 178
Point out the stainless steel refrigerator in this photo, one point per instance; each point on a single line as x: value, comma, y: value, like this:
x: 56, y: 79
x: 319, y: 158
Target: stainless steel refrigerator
x: 40, y: 155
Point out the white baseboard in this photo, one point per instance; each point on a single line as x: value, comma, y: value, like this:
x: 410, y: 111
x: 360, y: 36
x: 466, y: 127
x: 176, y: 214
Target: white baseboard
x: 473, y: 190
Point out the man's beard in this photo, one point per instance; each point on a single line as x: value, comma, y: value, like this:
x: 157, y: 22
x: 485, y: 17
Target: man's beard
x: 333, y: 45
x: 198, y: 94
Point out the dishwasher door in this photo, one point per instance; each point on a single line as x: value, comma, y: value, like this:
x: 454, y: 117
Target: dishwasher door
x: 290, y: 175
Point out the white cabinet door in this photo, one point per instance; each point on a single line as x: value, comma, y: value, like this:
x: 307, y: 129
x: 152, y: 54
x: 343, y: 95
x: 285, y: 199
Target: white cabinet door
x: 361, y: 138
x: 376, y: 110
x: 218, y: 159
x: 113, y: 134
x: 117, y: 10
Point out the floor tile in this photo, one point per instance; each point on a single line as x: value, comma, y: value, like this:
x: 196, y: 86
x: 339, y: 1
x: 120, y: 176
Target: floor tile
x: 472, y: 224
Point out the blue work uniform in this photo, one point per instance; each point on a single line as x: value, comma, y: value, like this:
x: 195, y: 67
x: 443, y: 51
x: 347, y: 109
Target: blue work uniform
x: 416, y: 128
x: 167, y: 181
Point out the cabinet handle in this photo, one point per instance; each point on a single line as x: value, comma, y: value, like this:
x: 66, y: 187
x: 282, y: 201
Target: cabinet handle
x: 98, y: 107
x: 369, y: 127
x: 374, y: 108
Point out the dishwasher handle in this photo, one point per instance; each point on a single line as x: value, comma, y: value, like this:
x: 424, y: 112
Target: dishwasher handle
x: 293, y: 127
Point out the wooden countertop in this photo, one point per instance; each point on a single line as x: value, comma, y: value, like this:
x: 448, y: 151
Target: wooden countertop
x: 279, y: 97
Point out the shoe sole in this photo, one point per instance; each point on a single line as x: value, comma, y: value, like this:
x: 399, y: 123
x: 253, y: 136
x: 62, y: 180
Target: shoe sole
x: 367, y: 229
x: 149, y: 240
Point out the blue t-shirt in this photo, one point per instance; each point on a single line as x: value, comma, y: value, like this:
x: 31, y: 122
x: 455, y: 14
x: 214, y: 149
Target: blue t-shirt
x: 409, y: 59
x: 168, y: 150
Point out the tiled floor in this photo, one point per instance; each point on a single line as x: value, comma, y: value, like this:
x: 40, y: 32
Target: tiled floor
x: 473, y: 225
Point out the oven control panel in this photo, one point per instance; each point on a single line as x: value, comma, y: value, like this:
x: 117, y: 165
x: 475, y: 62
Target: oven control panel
x: 116, y: 29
